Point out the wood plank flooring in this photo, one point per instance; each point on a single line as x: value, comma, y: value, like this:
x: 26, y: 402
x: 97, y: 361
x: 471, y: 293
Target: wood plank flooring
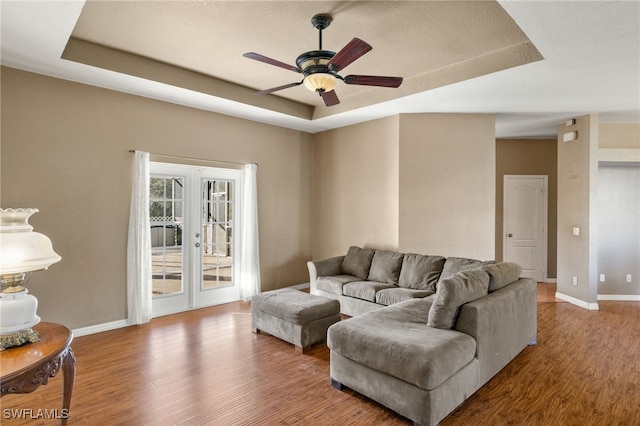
x: 205, y: 367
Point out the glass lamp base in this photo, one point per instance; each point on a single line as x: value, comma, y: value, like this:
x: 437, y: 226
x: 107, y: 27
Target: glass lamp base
x: 18, y: 338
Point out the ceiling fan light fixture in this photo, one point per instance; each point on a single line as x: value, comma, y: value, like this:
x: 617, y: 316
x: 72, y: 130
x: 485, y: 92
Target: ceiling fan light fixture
x: 320, y: 67
x: 320, y: 82
x: 314, y: 59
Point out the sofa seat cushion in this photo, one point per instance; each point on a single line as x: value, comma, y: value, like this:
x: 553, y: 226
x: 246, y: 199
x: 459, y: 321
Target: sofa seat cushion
x: 389, y: 296
x: 365, y: 290
x: 333, y: 284
x: 395, y: 340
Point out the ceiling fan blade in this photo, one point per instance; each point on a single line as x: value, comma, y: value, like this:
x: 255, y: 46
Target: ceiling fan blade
x: 352, y: 51
x: 373, y: 80
x: 275, y: 89
x: 266, y: 60
x: 330, y: 98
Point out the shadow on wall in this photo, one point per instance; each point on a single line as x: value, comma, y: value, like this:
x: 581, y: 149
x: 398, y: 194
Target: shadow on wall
x: 619, y: 229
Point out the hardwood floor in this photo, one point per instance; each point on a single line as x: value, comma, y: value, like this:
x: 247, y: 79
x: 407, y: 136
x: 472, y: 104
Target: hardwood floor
x: 205, y: 367
x: 547, y: 293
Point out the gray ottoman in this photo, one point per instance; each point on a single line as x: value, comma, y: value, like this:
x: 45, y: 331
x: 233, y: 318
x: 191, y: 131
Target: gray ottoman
x: 299, y: 318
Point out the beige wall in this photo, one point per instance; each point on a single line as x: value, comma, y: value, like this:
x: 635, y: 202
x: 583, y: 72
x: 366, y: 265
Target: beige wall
x: 528, y: 157
x: 422, y: 183
x: 577, y: 201
x: 619, y: 135
x: 419, y: 182
x: 597, y: 192
x: 447, y: 184
x: 355, y: 188
x: 65, y: 150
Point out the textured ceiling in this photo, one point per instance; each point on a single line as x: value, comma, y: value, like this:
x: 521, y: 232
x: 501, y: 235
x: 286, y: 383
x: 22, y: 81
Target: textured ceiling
x: 430, y: 44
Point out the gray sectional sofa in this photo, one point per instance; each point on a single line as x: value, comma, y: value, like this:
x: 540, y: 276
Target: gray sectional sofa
x: 365, y: 279
x: 423, y: 339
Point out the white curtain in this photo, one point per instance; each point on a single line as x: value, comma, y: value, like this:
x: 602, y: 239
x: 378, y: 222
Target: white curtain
x: 249, y: 252
x: 139, y: 245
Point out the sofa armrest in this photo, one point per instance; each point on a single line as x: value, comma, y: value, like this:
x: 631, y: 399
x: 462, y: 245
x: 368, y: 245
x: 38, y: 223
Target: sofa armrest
x: 322, y: 268
x: 503, y: 323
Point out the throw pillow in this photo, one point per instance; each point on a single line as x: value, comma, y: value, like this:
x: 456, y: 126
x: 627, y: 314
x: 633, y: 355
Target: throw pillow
x: 502, y: 273
x: 453, y: 292
x: 420, y: 272
x: 454, y: 265
x: 357, y: 262
x: 385, y: 267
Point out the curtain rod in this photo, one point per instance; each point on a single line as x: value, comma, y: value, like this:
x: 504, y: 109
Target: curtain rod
x: 194, y: 159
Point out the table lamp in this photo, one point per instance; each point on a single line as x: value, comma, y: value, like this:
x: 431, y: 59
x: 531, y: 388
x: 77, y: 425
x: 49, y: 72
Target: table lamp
x: 22, y: 251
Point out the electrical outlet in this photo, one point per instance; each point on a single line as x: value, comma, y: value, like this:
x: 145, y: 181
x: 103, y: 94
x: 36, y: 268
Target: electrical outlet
x: 575, y: 280
x: 628, y: 278
x: 601, y: 278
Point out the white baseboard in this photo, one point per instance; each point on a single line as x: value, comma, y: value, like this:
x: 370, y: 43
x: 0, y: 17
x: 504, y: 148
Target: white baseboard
x: 620, y: 297
x: 92, y: 329
x: 98, y: 328
x: 578, y: 302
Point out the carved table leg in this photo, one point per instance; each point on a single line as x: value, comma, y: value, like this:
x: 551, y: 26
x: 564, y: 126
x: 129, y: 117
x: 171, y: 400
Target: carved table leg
x: 68, y: 377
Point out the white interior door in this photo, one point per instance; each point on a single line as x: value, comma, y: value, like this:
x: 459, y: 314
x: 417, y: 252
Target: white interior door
x: 193, y: 212
x: 525, y: 224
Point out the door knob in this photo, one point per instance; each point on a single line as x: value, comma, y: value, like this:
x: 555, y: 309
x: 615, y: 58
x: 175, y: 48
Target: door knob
x: 509, y: 235
x: 197, y: 244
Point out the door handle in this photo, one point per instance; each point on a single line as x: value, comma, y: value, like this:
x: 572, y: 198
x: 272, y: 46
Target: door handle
x: 509, y: 235
x: 197, y: 244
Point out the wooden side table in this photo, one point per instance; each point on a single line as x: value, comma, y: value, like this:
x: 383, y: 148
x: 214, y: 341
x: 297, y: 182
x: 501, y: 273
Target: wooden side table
x: 23, y: 369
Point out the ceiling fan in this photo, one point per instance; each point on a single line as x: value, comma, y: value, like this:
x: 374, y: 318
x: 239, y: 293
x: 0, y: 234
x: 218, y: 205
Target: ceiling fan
x: 320, y: 67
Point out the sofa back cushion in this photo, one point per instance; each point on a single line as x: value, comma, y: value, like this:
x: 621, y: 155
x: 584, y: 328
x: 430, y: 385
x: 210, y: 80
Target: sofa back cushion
x: 502, y: 274
x: 455, y: 291
x: 385, y: 267
x: 420, y: 272
x: 357, y: 262
x: 453, y: 265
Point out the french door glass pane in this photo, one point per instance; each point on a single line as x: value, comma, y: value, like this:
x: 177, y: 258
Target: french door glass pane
x: 165, y: 214
x: 217, y: 233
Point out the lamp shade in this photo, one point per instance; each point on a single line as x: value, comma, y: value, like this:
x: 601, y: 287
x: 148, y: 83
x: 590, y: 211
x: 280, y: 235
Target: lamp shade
x: 21, y: 249
x: 322, y: 82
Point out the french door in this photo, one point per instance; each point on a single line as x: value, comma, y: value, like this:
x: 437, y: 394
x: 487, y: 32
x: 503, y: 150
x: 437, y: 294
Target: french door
x: 193, y: 212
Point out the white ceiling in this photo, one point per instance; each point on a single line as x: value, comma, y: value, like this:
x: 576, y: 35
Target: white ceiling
x: 591, y: 62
